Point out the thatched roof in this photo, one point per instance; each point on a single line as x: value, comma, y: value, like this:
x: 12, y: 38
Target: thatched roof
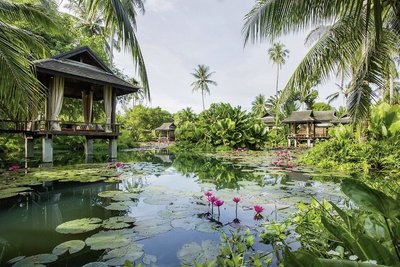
x: 342, y: 120
x: 82, y: 69
x: 324, y: 116
x: 268, y: 120
x: 166, y: 126
x: 300, y: 116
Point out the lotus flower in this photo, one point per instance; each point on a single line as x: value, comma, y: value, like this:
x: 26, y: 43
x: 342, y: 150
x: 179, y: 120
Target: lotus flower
x: 212, y: 199
x: 258, y: 209
x: 236, y: 200
x: 13, y: 168
x: 218, y: 203
x: 118, y: 164
x: 208, y: 194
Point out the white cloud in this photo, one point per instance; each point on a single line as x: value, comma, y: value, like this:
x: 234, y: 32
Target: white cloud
x: 159, y: 6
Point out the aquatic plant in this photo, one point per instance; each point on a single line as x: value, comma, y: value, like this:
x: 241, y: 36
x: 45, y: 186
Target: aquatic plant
x: 118, y: 164
x: 14, y: 168
x: 258, y: 209
x: 236, y: 200
x: 212, y: 199
x: 284, y: 159
x: 218, y: 203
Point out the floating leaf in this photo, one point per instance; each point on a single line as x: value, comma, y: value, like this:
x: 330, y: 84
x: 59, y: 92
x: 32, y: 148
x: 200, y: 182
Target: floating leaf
x: 152, y: 227
x: 118, y: 256
x: 110, y: 194
x: 71, y: 246
x: 191, y: 252
x: 120, y: 206
x: 149, y: 259
x: 207, y: 227
x: 118, y: 222
x: 11, y: 192
x: 188, y: 223
x: 95, y: 264
x: 108, y: 240
x: 161, y: 199
x: 36, y: 260
x: 79, y: 226
x: 14, y: 260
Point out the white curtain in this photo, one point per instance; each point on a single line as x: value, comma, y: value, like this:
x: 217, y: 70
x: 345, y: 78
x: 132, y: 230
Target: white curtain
x: 108, y: 105
x: 87, y: 103
x: 56, y: 100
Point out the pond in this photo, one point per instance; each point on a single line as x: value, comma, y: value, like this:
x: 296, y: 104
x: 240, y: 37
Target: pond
x: 151, y: 210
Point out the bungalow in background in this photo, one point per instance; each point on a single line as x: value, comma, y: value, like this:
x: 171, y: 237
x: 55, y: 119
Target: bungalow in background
x: 269, y: 120
x: 311, y: 125
x: 166, y: 132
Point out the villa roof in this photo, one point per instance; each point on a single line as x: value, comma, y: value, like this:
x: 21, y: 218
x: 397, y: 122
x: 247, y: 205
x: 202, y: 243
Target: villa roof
x: 345, y: 119
x: 166, y: 126
x: 82, y: 68
x: 300, y: 116
x: 268, y: 119
x: 324, y: 116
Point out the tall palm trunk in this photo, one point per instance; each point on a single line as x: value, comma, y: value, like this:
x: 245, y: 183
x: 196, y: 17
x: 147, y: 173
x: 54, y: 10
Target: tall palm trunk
x: 391, y: 90
x: 277, y: 80
x: 202, y: 98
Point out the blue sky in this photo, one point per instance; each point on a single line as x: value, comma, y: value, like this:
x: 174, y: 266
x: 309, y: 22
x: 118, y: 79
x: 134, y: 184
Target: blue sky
x: 177, y: 35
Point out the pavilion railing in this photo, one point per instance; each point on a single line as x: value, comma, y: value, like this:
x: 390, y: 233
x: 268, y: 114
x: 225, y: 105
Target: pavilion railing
x: 307, y: 136
x: 72, y: 126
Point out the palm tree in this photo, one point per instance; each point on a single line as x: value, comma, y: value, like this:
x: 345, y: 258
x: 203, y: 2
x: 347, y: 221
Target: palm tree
x: 359, y: 33
x: 18, y: 83
x: 259, y: 106
x: 120, y: 19
x: 202, y: 75
x: 278, y: 54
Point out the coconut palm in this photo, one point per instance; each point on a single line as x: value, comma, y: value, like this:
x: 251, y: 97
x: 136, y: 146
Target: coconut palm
x: 278, y: 54
x: 18, y: 83
x: 120, y: 20
x: 259, y: 105
x: 203, y: 79
x: 356, y: 38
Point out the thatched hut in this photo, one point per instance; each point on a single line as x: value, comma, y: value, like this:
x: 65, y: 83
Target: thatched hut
x: 166, y: 132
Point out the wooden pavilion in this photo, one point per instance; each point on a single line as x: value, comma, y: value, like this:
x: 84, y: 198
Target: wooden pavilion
x: 268, y: 120
x: 311, y: 125
x: 77, y: 74
x: 166, y: 132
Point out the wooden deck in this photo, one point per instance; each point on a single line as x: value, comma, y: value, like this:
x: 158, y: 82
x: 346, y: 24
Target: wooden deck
x: 43, y: 128
x: 306, y: 137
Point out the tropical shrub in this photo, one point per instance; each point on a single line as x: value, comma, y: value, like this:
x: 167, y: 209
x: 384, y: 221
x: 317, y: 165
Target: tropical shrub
x: 224, y: 125
x: 140, y: 122
x: 379, y: 149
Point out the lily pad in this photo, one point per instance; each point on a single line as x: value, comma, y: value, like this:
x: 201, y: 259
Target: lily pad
x: 161, y: 199
x: 207, y: 227
x: 14, y: 260
x: 152, y: 227
x: 200, y: 253
x: 188, y: 223
x: 71, y: 246
x: 79, y: 226
x: 108, y: 240
x: 149, y: 259
x: 110, y: 194
x: 120, y: 206
x: 95, y: 264
x: 36, y: 260
x: 118, y: 256
x: 11, y: 192
x: 118, y: 222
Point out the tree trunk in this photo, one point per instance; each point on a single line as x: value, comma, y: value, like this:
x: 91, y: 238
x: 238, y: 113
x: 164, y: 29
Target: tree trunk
x: 277, y: 81
x: 391, y: 90
x: 202, y: 98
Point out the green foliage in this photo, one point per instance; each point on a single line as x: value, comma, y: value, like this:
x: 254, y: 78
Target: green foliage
x: 321, y: 106
x: 345, y: 151
x: 184, y: 115
x: 140, y: 122
x: 369, y: 233
x: 224, y: 125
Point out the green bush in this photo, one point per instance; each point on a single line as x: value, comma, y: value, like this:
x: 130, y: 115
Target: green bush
x: 224, y: 125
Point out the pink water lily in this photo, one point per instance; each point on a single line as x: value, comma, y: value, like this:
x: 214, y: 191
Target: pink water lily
x: 236, y: 200
x: 218, y: 203
x: 212, y: 199
x: 208, y: 194
x: 118, y: 164
x: 13, y: 168
x: 258, y: 209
